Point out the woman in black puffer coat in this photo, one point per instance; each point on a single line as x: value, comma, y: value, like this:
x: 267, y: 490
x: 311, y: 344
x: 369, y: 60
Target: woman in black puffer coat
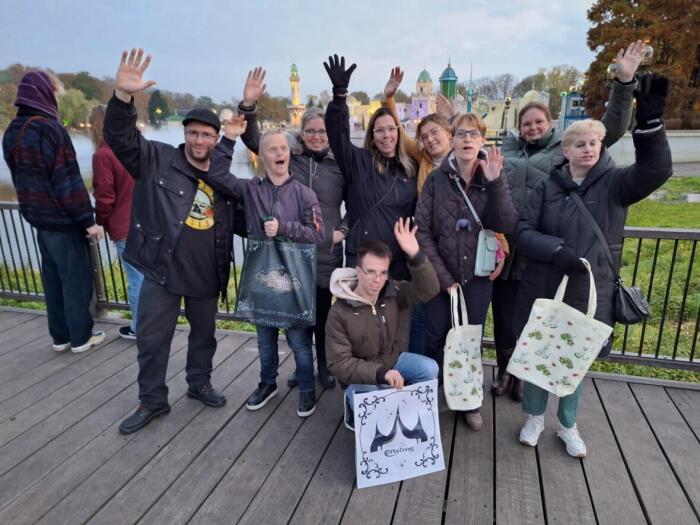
x: 554, y: 233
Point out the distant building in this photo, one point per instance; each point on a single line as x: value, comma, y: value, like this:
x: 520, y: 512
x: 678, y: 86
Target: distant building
x: 448, y: 82
x: 423, y: 102
x: 296, y: 108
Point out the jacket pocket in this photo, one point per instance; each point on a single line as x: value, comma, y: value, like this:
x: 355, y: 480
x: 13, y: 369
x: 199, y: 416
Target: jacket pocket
x: 147, y: 245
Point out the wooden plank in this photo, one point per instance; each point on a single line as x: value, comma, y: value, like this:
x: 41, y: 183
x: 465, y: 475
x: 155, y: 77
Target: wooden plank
x: 660, y: 493
x: 26, y: 389
x: 65, y: 462
x: 678, y: 442
x: 230, y: 499
x: 327, y: 495
x: 33, y: 330
x: 470, y: 496
x: 278, y: 496
x: 688, y: 404
x: 54, y: 440
x: 199, y: 479
x: 94, y: 498
x: 372, y: 505
x: 11, y: 319
x: 614, y: 498
x: 52, y: 402
x: 518, y: 496
x: 563, y: 481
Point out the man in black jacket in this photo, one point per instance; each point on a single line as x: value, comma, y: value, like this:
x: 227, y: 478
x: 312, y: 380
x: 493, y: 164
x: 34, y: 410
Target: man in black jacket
x: 179, y: 238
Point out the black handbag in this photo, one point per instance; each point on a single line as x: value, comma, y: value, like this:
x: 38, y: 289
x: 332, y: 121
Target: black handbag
x: 630, y: 306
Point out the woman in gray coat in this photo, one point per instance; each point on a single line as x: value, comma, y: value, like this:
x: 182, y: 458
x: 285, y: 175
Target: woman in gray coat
x: 528, y: 158
x: 312, y: 163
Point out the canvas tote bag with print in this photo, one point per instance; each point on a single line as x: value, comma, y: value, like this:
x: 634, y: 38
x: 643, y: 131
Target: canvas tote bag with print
x: 559, y: 343
x: 463, y: 377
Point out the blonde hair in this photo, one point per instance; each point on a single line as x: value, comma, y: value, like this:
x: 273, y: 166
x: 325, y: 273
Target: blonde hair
x: 580, y: 127
x: 270, y: 133
x: 470, y: 118
x: 96, y: 119
x: 379, y: 164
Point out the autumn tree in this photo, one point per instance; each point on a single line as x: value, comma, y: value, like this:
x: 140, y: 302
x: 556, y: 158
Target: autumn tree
x: 672, y: 28
x: 400, y: 96
x: 73, y: 107
x: 272, y: 108
x: 158, y: 109
x: 361, y: 96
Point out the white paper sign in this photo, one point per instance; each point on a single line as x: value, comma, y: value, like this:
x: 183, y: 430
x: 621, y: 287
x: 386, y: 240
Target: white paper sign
x: 397, y: 434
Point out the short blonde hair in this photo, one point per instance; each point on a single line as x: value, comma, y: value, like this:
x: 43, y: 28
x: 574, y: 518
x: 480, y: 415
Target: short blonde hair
x: 470, y: 118
x: 581, y: 127
x: 270, y: 133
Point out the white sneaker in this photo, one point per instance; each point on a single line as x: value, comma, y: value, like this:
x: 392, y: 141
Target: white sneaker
x: 533, y: 427
x: 61, y: 348
x: 575, y: 446
x: 95, y: 339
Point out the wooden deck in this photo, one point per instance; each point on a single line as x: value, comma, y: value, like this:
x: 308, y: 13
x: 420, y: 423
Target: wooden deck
x: 63, y: 461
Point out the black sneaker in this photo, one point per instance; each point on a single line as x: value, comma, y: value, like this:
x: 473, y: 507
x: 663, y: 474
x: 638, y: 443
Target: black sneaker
x: 126, y: 333
x: 326, y: 378
x: 261, y: 396
x: 141, y: 418
x: 292, y: 381
x: 307, y: 404
x: 207, y: 395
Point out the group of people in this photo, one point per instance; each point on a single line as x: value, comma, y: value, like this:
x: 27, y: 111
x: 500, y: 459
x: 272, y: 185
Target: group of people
x: 415, y: 208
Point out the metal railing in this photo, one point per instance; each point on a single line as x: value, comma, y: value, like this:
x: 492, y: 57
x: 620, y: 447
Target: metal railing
x: 661, y: 261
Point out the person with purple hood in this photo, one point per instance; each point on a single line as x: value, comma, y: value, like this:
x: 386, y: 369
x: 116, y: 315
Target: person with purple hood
x: 53, y: 199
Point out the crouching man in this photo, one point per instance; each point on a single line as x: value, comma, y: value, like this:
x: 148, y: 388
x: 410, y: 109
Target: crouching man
x: 368, y: 327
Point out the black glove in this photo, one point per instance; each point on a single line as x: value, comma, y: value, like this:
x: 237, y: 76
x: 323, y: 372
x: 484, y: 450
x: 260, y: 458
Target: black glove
x: 565, y: 260
x: 651, y: 94
x: 340, y: 77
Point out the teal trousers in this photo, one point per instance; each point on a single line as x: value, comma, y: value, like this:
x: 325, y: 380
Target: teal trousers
x: 535, y: 403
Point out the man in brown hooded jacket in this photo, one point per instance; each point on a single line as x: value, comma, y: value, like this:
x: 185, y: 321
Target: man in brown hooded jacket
x: 368, y: 327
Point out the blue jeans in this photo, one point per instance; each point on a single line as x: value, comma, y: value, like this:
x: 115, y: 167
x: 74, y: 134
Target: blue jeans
x: 413, y: 368
x: 134, y: 279
x: 67, y: 278
x: 299, y: 340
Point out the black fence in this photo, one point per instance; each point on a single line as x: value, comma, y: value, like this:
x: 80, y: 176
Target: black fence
x: 661, y: 261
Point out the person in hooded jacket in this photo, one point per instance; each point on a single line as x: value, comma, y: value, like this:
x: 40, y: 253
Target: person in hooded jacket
x: 530, y: 157
x: 313, y: 164
x: 368, y: 325
x: 448, y: 230
x: 554, y: 233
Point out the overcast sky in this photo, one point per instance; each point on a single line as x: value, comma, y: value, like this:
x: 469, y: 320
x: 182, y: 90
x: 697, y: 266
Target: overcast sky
x: 208, y: 49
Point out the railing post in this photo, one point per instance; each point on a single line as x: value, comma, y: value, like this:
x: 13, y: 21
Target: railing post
x: 100, y: 292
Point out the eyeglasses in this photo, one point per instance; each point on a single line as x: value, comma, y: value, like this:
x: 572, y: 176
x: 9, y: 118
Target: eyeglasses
x: 385, y: 131
x: 373, y: 275
x: 471, y: 133
x: 318, y: 132
x: 203, y: 134
x: 432, y: 134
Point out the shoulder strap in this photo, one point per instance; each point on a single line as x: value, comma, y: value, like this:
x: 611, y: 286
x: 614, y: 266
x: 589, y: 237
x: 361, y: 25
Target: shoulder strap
x: 13, y: 152
x: 374, y: 206
x: 469, y: 203
x: 596, y: 229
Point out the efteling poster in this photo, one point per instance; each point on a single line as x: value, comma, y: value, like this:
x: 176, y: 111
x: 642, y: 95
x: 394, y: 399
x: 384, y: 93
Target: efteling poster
x: 397, y: 434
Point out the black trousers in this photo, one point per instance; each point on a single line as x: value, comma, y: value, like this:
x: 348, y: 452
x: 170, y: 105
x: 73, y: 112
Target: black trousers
x: 505, y: 293
x: 438, y: 320
x: 323, y: 305
x: 155, y: 327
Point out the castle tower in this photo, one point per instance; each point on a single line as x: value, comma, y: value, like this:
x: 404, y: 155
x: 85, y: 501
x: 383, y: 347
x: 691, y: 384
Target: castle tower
x: 296, y: 108
x: 448, y: 82
x: 424, y: 84
x: 423, y: 102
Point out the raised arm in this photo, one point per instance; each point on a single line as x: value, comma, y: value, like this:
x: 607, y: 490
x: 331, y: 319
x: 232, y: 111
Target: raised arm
x: 338, y: 116
x: 219, y: 175
x: 653, y: 164
x: 252, y: 91
x: 120, y: 131
x: 424, y: 284
x: 392, y: 85
x: 618, y: 112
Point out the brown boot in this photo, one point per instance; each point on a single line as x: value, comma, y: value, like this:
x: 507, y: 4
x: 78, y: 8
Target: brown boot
x: 502, y: 383
x: 474, y: 420
x: 516, y: 389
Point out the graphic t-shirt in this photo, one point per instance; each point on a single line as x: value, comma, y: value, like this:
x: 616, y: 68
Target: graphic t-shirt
x: 193, y: 269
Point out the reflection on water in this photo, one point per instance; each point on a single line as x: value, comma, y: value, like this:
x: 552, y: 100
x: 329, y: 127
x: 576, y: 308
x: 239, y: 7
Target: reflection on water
x: 171, y: 133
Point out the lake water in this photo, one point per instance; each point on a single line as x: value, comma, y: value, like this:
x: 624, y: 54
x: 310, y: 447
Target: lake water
x: 171, y: 133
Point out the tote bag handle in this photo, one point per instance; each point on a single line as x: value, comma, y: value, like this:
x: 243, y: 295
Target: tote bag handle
x: 458, y: 303
x: 592, y: 295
